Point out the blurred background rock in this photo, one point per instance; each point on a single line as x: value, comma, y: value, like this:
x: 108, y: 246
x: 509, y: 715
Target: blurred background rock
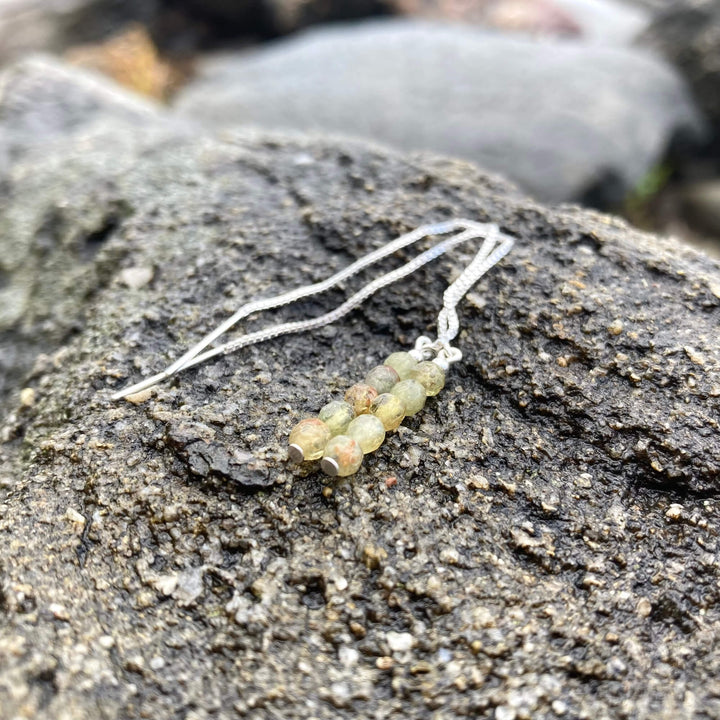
x: 609, y: 103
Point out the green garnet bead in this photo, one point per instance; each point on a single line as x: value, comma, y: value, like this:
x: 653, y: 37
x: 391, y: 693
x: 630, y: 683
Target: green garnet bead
x: 360, y: 397
x: 308, y: 440
x: 343, y: 456
x: 402, y: 362
x: 389, y: 409
x: 369, y: 432
x: 412, y: 394
x: 337, y: 416
x: 382, y: 378
x: 430, y: 376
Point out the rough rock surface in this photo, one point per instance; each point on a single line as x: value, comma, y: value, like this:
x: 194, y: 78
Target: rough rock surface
x: 540, y: 542
x: 561, y: 119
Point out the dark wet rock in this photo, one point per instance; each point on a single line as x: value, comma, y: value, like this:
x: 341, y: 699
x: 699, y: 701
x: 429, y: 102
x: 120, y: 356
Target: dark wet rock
x: 48, y: 251
x: 564, y: 120
x: 204, y: 457
x: 700, y: 203
x: 278, y: 17
x: 688, y: 34
x: 541, y: 541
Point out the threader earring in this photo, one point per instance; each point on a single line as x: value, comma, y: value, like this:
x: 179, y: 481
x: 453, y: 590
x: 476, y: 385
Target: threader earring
x: 346, y: 430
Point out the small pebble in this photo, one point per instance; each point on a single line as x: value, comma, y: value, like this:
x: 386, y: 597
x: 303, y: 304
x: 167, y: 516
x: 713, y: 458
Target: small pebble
x: 136, y: 663
x: 643, y: 607
x: 450, y: 556
x: 136, y: 277
x: 157, y: 663
x: 166, y: 584
x: 58, y: 611
x: 421, y: 668
x: 27, y: 397
x: 399, y: 642
x: 140, y: 397
x: 584, y: 480
x: 373, y: 556
x: 339, y: 694
x: 348, y: 656
x: 106, y: 641
x: 559, y: 707
x: 341, y: 583
x: 615, y: 327
x: 384, y: 663
x: 75, y: 517
x: 357, y: 629
x: 674, y: 512
x: 503, y: 712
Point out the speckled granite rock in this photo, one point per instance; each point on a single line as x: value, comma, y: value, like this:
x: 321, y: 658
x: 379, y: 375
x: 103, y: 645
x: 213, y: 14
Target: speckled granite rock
x: 564, y: 120
x: 541, y: 541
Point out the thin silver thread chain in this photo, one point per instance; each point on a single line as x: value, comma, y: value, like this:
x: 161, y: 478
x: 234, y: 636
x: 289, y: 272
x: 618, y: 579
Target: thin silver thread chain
x: 494, y: 247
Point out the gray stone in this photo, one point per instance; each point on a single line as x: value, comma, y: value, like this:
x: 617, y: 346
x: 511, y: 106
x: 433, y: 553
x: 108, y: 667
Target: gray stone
x: 43, y: 104
x: 42, y: 100
x: 688, y: 34
x: 700, y: 202
x: 54, y: 25
x: 608, y: 22
x: 524, y: 590
x: 561, y: 119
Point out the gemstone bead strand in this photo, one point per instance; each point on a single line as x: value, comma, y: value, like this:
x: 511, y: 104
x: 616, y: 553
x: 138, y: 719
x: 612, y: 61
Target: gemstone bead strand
x: 346, y: 430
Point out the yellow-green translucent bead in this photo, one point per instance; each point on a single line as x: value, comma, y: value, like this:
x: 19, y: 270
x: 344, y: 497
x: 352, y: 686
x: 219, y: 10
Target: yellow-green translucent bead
x: 368, y: 431
x: 382, y: 378
x: 360, y: 397
x: 342, y: 456
x: 337, y: 416
x: 403, y: 363
x: 430, y: 376
x: 389, y: 409
x: 308, y: 440
x: 412, y: 394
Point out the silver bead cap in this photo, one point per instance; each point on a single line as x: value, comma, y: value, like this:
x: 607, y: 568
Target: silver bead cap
x: 295, y: 453
x: 329, y: 466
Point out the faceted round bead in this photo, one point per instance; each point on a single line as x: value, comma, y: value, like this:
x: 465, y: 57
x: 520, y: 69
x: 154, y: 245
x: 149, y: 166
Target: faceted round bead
x: 343, y: 456
x: 430, y: 376
x: 382, y: 378
x: 403, y: 363
x: 413, y: 395
x: 360, y: 397
x: 337, y: 416
x: 368, y: 431
x: 389, y: 409
x: 308, y: 440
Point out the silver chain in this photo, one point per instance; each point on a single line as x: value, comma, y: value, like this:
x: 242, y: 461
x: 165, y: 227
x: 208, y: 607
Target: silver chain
x: 494, y: 247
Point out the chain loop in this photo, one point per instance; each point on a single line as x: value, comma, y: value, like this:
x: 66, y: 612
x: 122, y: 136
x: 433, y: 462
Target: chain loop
x: 494, y: 247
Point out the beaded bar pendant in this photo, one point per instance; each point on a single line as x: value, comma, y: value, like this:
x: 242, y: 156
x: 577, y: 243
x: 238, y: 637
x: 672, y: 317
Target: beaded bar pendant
x: 346, y: 430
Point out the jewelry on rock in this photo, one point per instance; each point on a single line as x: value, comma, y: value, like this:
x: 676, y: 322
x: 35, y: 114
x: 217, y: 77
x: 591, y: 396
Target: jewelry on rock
x: 346, y: 430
